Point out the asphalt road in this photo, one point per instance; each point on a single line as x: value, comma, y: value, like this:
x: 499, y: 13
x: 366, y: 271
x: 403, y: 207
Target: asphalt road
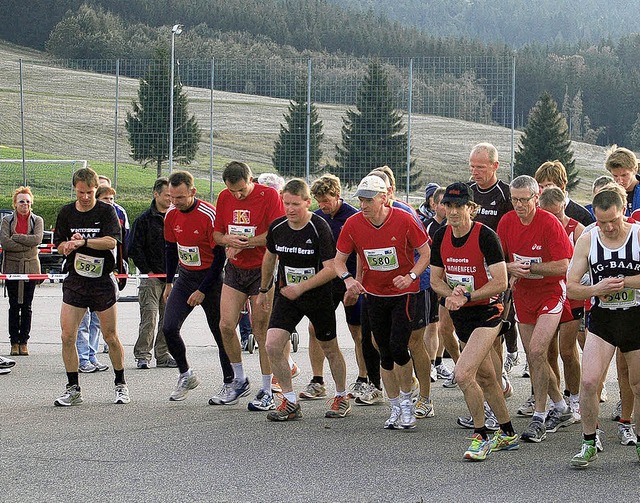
x: 157, y: 450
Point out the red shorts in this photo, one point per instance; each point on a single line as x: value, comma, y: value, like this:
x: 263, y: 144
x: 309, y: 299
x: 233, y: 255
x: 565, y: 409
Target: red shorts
x: 529, y: 307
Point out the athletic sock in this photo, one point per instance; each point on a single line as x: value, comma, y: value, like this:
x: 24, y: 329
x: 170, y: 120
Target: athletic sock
x: 588, y: 437
x: 395, y: 402
x: 318, y: 380
x: 540, y: 416
x: 438, y: 360
x: 238, y: 371
x: 119, y: 376
x: 507, y: 428
x: 72, y: 377
x: 291, y: 396
x: 561, y: 406
x: 404, y: 395
x: 362, y: 379
x: 483, y: 432
x: 266, y: 383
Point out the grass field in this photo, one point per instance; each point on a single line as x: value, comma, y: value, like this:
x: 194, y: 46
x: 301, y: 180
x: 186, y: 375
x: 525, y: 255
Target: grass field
x: 71, y: 114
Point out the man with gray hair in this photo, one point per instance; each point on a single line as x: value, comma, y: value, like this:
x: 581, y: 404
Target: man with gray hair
x: 538, y: 251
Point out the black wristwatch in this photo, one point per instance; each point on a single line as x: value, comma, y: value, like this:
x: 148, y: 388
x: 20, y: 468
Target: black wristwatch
x: 346, y: 275
x: 468, y: 296
x: 264, y: 290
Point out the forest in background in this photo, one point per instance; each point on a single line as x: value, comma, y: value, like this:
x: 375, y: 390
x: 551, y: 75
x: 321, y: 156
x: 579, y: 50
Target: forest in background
x: 597, y: 81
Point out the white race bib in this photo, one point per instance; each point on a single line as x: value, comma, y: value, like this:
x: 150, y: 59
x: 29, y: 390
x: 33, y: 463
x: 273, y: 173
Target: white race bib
x: 296, y: 275
x: 619, y: 300
x: 88, y: 266
x: 382, y: 259
x: 467, y: 282
x: 189, y: 255
x: 528, y: 261
x: 248, y: 231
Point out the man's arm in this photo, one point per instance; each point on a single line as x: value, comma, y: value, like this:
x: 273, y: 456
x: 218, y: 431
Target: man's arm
x: 326, y: 274
x: 553, y: 268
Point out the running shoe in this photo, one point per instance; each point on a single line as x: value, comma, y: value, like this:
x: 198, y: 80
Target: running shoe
x: 599, y: 435
x: 87, y: 368
x: 490, y: 420
x: 587, y: 454
x: 528, y: 407
x: 185, y: 384
x: 479, y: 448
x: 451, y: 382
x: 393, y: 423
x: 371, y: 396
x: 424, y: 408
x: 141, y: 363
x: 71, y: 396
x: 511, y: 360
x: 557, y: 419
x: 5, y: 370
x: 503, y: 442
x: 617, y: 412
x: 169, y: 363
x: 638, y: 451
x: 286, y: 411
x: 313, y: 391
x: 626, y: 434
x: 415, y: 389
x: 340, y: 407
x: 525, y: 371
x: 434, y: 373
x: 6, y: 363
x: 295, y: 370
x: 574, y: 405
x: 507, y: 389
x: 535, y: 432
x: 105, y: 348
x: 275, y: 385
x: 100, y: 367
x: 407, y: 414
x: 231, y: 393
x: 443, y: 371
x: 122, y: 394
x: 357, y: 388
x: 263, y: 401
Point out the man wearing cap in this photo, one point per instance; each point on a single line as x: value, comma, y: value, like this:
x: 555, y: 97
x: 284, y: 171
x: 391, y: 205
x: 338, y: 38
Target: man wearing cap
x: 538, y: 251
x: 469, y: 272
x: 385, y: 239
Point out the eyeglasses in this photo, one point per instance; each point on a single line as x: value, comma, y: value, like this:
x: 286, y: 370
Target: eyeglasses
x: 522, y: 200
x: 23, y: 202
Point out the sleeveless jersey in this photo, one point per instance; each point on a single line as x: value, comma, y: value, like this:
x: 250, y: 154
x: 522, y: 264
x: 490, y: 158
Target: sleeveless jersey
x: 465, y: 265
x: 623, y: 261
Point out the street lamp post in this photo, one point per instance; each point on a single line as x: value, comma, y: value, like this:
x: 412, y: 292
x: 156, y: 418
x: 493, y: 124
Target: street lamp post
x: 176, y: 30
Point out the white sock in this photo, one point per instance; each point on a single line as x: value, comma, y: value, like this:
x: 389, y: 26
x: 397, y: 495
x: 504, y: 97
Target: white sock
x: 540, y: 415
x: 266, y: 382
x: 405, y: 396
x: 395, y: 402
x: 238, y: 371
x: 341, y: 393
x: 561, y: 406
x: 291, y: 396
x: 188, y: 373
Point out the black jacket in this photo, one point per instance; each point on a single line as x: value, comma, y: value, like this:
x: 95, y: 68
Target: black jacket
x: 146, y: 241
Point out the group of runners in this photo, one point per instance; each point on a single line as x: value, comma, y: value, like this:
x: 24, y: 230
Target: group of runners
x: 410, y: 286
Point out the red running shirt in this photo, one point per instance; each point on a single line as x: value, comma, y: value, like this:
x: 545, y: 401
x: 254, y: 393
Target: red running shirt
x: 385, y: 251
x: 192, y: 231
x: 543, y: 240
x: 248, y: 217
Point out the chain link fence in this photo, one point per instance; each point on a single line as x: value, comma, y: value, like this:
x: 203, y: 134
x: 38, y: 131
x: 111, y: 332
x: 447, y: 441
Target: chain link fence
x: 76, y: 109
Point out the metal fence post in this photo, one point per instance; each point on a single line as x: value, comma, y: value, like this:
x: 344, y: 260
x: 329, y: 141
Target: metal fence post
x: 211, y: 132
x: 410, y: 99
x: 115, y: 128
x: 24, y: 162
x: 308, y: 153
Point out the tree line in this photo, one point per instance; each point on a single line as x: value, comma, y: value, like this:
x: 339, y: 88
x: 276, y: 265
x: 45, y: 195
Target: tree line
x: 598, y: 84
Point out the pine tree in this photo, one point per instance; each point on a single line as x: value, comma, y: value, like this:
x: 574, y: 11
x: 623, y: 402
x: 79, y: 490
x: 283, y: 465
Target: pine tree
x: 290, y: 150
x: 372, y: 134
x: 545, y: 138
x: 148, y: 122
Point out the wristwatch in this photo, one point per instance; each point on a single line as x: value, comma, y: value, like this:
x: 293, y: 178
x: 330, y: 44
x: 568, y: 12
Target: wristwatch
x: 468, y: 296
x: 413, y: 276
x: 346, y: 275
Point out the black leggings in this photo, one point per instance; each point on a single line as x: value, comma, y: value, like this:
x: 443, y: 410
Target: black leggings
x: 369, y: 351
x: 390, y: 319
x: 177, y: 310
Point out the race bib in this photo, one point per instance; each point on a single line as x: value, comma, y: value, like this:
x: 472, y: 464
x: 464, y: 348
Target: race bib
x: 528, y: 261
x: 248, y: 231
x: 88, y: 266
x: 294, y: 275
x: 382, y: 259
x: 189, y: 255
x: 619, y: 300
x: 467, y: 282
